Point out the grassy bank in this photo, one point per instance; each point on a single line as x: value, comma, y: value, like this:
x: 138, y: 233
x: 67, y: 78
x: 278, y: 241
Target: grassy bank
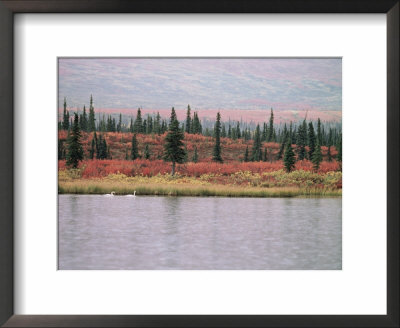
x: 165, y: 185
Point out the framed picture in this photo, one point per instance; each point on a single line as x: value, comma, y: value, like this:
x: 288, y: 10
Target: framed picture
x: 149, y: 113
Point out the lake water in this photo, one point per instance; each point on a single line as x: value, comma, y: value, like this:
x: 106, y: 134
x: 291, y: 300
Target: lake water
x: 99, y: 232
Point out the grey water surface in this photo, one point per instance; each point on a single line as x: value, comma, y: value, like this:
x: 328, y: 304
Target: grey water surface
x: 199, y: 233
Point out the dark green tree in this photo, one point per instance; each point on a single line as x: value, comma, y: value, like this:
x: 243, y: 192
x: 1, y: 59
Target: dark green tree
x: 256, y: 151
x: 311, y: 140
x: 173, y: 147
x: 339, y: 149
x: 147, y: 152
x: 316, y: 157
x: 246, y: 154
x: 265, y: 157
x: 271, y: 127
x: 217, y: 147
x: 285, y: 140
x: 289, y: 159
x: 93, y: 146
x: 195, y: 158
x: 75, y: 150
x: 301, y: 141
x: 319, y: 132
x: 65, y: 123
x: 138, y: 126
x: 92, y: 120
x: 134, y: 148
x: 188, y: 124
x: 84, y: 120
x: 119, y: 125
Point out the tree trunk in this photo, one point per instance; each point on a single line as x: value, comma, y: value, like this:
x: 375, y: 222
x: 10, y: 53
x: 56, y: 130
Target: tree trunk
x: 173, y: 169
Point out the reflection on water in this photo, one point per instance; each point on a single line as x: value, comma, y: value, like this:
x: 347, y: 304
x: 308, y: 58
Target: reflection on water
x: 97, y: 232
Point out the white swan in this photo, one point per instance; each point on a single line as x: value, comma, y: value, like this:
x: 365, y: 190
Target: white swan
x: 134, y: 194
x: 111, y: 194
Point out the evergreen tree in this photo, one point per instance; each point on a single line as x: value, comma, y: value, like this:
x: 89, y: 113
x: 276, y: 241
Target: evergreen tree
x: 94, y: 146
x: 285, y: 140
x: 316, y: 157
x: 229, y: 131
x: 173, y: 146
x: 147, y: 152
x: 195, y: 155
x: 119, y: 125
x: 265, y: 157
x: 311, y: 140
x: 238, y: 133
x: 134, y: 148
x: 271, y: 127
x: 185, y: 159
x: 61, y: 149
x: 256, y: 151
x: 131, y: 126
x: 65, y: 123
x: 289, y: 158
x: 92, y: 120
x: 188, y: 120
x: 75, y: 150
x: 138, y: 126
x: 339, y: 149
x: 319, y: 132
x: 84, y: 120
x: 329, y: 154
x: 217, y: 147
x: 246, y: 154
x: 301, y: 141
x: 223, y: 132
x: 157, y: 124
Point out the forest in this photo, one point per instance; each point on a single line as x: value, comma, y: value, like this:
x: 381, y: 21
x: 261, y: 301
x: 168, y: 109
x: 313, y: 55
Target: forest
x: 157, y: 155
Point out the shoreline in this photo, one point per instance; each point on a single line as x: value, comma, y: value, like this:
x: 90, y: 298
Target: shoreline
x: 104, y: 186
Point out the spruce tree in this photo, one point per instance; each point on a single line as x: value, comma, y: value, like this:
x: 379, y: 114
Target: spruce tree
x: 256, y: 151
x: 84, y: 120
x: 311, y: 140
x: 173, y: 146
x: 316, y: 157
x: 119, y: 125
x: 265, y: 158
x: 92, y: 120
x: 195, y: 155
x: 246, y: 154
x: 217, y: 147
x: 157, y: 124
x: 65, y: 123
x: 238, y: 133
x: 134, y: 148
x: 94, y: 146
x: 339, y: 149
x: 223, y: 132
x: 147, y: 152
x: 75, y: 150
x: 301, y: 140
x: 319, y: 132
x: 188, y: 120
x: 329, y: 154
x: 271, y: 127
x: 289, y: 159
x: 285, y: 140
x: 138, y: 126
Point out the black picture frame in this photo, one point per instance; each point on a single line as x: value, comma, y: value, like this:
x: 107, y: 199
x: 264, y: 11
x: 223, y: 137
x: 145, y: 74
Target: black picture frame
x: 10, y: 7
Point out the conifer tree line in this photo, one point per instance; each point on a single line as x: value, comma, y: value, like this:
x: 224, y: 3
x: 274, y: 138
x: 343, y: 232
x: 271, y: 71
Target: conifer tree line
x: 297, y: 141
x: 328, y: 134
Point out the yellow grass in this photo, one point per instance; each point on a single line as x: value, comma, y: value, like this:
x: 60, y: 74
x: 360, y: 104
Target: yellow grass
x: 143, y: 187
